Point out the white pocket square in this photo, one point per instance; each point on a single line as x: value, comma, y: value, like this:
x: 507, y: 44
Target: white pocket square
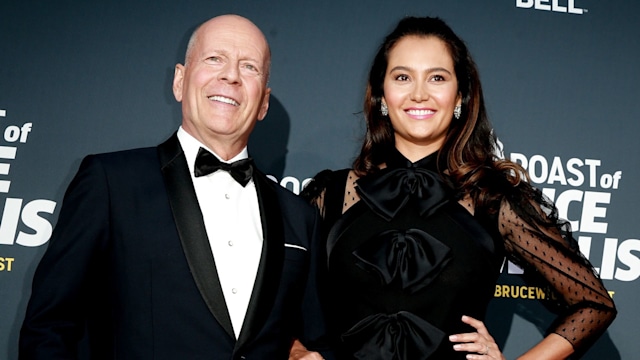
x: 295, y: 246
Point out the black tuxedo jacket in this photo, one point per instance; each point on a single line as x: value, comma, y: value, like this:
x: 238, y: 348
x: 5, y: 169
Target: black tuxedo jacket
x: 129, y: 269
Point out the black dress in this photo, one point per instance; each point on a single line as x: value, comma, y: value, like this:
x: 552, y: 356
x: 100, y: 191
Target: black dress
x: 406, y: 261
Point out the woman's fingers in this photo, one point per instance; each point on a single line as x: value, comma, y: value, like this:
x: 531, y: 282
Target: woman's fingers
x: 479, y: 344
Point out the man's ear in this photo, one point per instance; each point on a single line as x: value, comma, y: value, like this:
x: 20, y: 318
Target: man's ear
x: 178, y: 81
x: 265, y: 105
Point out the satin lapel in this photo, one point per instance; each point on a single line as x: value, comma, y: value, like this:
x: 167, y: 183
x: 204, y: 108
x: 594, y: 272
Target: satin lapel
x: 191, y: 230
x: 270, y: 269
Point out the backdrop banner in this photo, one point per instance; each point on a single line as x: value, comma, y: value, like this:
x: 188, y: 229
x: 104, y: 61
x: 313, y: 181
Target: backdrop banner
x: 80, y: 77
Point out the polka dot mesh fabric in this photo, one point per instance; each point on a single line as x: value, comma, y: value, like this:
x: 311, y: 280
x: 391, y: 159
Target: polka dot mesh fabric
x: 588, y: 308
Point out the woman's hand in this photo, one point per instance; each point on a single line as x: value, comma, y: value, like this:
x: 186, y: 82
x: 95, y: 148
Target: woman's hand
x: 299, y: 352
x: 479, y: 345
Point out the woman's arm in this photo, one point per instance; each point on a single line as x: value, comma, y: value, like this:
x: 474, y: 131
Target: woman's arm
x: 551, y: 253
x: 551, y: 347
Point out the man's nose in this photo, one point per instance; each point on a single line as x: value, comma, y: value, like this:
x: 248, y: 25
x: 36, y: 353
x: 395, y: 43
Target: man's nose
x: 230, y: 73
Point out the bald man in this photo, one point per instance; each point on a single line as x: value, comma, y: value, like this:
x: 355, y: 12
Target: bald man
x: 184, y: 250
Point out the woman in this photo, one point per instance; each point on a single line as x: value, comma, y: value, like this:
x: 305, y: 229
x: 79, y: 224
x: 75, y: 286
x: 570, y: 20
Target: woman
x: 418, y: 229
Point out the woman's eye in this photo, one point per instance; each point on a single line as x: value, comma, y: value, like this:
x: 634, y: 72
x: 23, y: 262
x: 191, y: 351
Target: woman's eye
x: 437, y: 78
x: 402, y: 77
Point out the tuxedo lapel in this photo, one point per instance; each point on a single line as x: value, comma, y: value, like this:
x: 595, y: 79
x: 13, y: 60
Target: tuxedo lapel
x: 190, y: 225
x: 271, y: 261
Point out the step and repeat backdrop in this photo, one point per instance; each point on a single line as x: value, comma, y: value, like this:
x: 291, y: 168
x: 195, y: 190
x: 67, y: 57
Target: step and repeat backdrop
x: 560, y: 78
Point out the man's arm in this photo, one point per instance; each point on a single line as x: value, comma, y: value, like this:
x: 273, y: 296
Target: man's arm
x: 70, y: 269
x: 314, y: 335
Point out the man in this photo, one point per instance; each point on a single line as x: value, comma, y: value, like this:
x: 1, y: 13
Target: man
x: 157, y: 255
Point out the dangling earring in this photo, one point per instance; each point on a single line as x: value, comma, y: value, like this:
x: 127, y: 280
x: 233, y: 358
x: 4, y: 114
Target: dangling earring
x: 384, y: 110
x: 457, y: 111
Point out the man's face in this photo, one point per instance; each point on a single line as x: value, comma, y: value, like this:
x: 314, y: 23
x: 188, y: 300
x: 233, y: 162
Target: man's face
x: 223, y: 84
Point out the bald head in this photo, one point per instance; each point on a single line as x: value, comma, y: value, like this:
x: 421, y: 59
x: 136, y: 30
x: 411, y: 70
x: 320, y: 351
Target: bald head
x: 230, y: 21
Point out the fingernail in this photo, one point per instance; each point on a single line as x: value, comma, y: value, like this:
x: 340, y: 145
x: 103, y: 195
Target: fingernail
x: 453, y: 338
x: 457, y: 347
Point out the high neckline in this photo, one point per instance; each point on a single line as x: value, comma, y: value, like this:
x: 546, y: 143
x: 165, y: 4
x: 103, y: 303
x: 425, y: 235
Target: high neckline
x: 395, y: 160
x: 401, y: 181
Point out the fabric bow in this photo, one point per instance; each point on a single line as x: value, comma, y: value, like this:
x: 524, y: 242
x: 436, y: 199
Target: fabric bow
x: 388, y: 190
x: 401, y: 336
x: 411, y: 258
x: 207, y: 163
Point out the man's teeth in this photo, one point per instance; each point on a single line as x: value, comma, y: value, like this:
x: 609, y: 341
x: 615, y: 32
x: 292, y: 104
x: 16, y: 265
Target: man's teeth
x: 224, y: 100
x: 420, y: 112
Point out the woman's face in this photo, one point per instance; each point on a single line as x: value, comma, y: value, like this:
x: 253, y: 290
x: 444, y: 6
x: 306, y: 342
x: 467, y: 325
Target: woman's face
x: 421, y: 91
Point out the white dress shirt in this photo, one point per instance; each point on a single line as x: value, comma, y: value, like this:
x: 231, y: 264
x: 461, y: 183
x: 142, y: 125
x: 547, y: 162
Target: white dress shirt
x: 232, y: 220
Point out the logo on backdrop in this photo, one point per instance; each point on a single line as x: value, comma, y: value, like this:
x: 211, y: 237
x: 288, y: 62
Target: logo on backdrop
x: 20, y: 213
x: 291, y: 183
x: 561, y: 6
x: 586, y: 210
x: 563, y: 181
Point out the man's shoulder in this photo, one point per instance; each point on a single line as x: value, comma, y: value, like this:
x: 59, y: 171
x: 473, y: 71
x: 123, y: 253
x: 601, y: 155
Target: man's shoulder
x: 128, y: 154
x: 170, y: 147
x: 132, y: 153
x: 137, y: 158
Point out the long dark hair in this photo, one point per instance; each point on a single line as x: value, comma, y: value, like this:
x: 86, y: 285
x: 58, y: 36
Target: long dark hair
x: 469, y: 159
x: 469, y: 152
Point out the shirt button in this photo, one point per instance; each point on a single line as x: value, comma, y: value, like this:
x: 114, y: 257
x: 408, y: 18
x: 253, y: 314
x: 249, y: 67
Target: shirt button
x: 227, y: 196
x: 234, y: 291
x: 230, y: 243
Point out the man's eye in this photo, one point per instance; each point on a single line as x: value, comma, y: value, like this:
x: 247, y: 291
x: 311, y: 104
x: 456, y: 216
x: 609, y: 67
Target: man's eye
x: 252, y: 68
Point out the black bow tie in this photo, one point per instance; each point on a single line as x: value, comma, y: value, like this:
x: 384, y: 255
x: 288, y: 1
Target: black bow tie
x: 207, y: 163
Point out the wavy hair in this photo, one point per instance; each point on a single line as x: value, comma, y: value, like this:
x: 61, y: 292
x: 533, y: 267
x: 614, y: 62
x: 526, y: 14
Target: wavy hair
x: 469, y: 153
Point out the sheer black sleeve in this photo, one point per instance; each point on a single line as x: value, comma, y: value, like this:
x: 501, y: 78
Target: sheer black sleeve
x: 549, y: 250
x: 328, y: 191
x: 314, y: 191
